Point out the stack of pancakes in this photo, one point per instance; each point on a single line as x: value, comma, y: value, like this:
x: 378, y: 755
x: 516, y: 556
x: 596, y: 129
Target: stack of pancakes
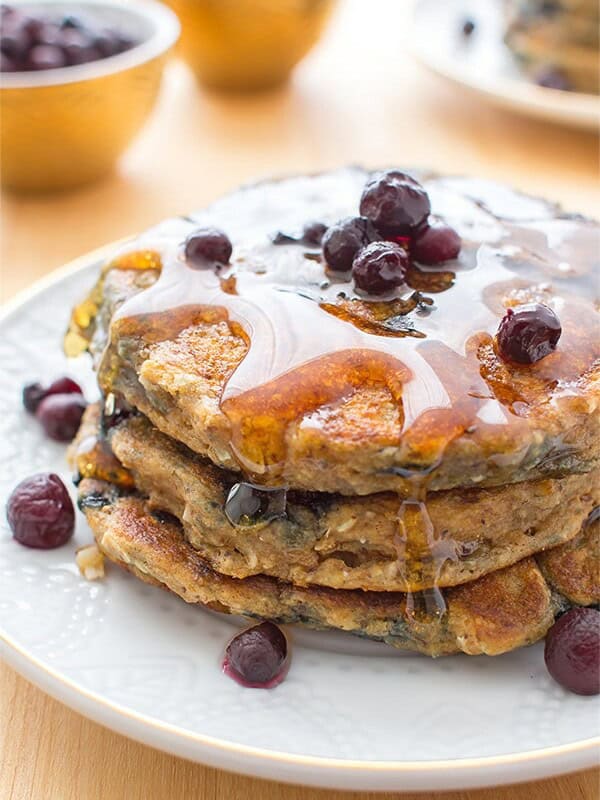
x: 270, y: 444
x: 561, y: 35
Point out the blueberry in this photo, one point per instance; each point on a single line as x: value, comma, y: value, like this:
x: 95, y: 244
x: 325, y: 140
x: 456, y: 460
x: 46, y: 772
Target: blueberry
x: 550, y: 7
x: 285, y: 238
x: 7, y: 64
x: 40, y: 512
x: 572, y: 651
x: 64, y: 385
x: 435, y: 243
x: 380, y: 267
x: 124, y: 42
x: 528, y: 333
x: 60, y: 415
x: 34, y: 393
x: 46, y: 56
x: 312, y: 235
x: 14, y: 43
x: 12, y: 16
x: 85, y: 55
x: 553, y: 78
x: 394, y: 202
x: 78, y: 46
x: 342, y: 241
x: 207, y: 248
x: 64, y: 41
x: 114, y: 411
x: 107, y: 43
x: 48, y: 34
x: 34, y: 28
x: 313, y: 232
x: 247, y: 504
x: 468, y: 27
x: 257, y: 655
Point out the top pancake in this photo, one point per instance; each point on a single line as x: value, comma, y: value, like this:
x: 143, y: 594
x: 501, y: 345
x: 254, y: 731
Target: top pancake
x: 276, y: 368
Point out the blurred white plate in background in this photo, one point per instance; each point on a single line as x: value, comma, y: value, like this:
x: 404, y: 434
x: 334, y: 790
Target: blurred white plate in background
x: 483, y: 64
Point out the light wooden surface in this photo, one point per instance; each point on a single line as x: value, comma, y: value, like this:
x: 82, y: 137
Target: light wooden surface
x: 356, y: 99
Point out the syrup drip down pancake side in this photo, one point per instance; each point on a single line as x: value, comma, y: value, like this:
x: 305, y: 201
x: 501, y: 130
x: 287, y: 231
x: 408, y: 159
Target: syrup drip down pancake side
x: 313, y: 538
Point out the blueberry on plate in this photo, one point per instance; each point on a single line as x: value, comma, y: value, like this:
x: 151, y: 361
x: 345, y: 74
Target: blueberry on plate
x: 572, y: 651
x: 34, y: 393
x: 257, y: 656
x: 40, y: 512
x: 60, y: 415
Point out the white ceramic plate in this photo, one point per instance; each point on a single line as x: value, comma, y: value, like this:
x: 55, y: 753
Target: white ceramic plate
x: 483, y: 64
x: 350, y: 714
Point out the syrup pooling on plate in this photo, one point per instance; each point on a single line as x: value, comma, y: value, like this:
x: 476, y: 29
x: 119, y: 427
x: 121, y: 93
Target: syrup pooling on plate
x: 312, y: 342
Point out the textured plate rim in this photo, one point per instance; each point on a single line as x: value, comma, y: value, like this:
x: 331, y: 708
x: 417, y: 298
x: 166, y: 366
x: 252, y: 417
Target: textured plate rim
x: 575, y: 109
x: 355, y: 774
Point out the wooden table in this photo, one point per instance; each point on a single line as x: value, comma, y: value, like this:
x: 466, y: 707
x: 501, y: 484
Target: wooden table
x: 353, y: 100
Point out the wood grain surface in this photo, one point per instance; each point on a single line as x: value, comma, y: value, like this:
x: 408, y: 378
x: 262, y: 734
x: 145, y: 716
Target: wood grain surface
x: 353, y: 100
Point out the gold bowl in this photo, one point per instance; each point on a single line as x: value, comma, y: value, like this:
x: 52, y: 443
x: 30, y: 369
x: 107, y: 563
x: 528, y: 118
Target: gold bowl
x: 64, y: 127
x: 247, y: 45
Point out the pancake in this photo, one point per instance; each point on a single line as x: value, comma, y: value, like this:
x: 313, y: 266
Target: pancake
x: 558, y: 22
x: 276, y: 369
x: 332, y: 540
x: 562, y: 36
x: 575, y: 567
x: 502, y: 611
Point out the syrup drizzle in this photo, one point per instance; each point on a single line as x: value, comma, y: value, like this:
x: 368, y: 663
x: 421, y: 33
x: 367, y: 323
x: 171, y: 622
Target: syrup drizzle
x: 312, y: 343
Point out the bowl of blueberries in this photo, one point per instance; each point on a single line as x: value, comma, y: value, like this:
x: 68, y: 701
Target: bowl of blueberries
x: 77, y: 81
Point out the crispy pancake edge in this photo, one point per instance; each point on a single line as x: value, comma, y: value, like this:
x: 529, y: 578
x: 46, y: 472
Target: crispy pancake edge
x: 502, y: 611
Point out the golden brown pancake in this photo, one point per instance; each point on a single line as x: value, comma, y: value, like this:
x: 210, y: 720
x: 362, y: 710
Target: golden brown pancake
x: 504, y: 610
x: 333, y: 540
x: 276, y: 368
x: 404, y: 482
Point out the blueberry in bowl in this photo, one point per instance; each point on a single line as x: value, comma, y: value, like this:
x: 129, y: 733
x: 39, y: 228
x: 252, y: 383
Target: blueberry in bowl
x: 78, y: 79
x: 38, y: 40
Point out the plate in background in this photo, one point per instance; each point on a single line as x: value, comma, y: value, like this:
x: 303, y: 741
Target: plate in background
x: 482, y: 63
x: 350, y: 715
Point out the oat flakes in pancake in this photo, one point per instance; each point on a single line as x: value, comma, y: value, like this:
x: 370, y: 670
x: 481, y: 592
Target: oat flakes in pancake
x: 502, y: 611
x: 393, y: 388
x: 333, y: 540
